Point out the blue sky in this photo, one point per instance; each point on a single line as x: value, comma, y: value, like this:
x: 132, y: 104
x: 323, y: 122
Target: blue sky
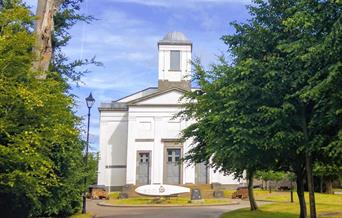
x: 124, y: 38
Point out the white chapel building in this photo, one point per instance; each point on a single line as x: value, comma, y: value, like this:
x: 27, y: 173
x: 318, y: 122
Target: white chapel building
x: 139, y: 139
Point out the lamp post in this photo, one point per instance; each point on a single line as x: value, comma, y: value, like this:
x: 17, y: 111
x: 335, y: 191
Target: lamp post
x: 90, y: 102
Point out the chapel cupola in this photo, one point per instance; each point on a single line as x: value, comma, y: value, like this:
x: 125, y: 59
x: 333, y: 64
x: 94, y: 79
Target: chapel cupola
x: 174, y: 61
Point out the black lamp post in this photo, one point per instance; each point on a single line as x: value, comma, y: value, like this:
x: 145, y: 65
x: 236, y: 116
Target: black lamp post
x: 90, y: 102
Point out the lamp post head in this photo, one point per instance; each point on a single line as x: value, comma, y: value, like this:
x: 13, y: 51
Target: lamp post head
x: 90, y: 100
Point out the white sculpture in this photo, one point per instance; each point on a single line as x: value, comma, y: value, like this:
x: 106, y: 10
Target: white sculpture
x: 161, y: 190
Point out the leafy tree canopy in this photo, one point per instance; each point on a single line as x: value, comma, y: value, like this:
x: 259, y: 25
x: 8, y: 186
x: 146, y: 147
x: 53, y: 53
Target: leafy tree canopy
x: 41, y: 159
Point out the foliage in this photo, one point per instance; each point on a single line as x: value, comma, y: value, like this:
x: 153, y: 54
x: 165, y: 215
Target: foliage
x: 277, y: 106
x: 270, y: 175
x: 41, y: 159
x: 114, y: 195
x: 25, y: 173
x: 92, y: 166
x: 326, y: 174
x: 67, y: 16
x: 223, y: 123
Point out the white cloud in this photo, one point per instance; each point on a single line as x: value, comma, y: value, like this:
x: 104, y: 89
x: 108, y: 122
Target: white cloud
x: 116, y: 37
x: 118, y: 19
x: 116, y: 80
x: 130, y: 57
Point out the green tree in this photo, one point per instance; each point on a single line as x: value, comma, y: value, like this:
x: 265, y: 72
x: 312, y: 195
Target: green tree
x: 326, y: 174
x: 280, y: 94
x: 41, y: 159
x: 305, y: 60
x: 269, y: 176
x: 25, y: 173
x: 226, y: 123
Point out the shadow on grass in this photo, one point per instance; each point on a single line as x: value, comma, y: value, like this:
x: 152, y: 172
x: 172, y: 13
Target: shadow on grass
x: 246, y: 213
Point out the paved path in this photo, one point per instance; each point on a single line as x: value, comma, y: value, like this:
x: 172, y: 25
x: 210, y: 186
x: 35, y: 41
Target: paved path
x: 178, y: 212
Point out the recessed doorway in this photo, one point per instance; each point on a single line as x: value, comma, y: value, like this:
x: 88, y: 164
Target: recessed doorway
x: 143, y: 168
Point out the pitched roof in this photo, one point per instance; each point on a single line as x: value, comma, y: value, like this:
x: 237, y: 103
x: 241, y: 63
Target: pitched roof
x: 158, y: 93
x: 123, y: 106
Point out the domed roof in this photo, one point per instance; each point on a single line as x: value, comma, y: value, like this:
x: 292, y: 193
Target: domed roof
x: 175, y: 38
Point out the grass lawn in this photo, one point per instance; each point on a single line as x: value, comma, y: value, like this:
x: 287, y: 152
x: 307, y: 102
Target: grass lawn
x: 87, y: 215
x: 173, y: 201
x: 328, y: 206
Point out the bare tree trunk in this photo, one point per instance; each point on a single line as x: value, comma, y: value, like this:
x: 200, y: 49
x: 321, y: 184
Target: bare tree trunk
x: 43, y: 29
x: 328, y: 186
x: 308, y: 165
x: 311, y: 186
x: 300, y: 193
x: 250, y: 177
x: 291, y: 194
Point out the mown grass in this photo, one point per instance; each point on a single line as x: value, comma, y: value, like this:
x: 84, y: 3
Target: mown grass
x: 86, y: 215
x: 327, y: 206
x: 228, y: 193
x: 171, y: 201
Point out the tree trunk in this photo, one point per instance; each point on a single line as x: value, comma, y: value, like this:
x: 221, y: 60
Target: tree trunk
x: 291, y: 192
x: 308, y: 164
x: 250, y: 177
x: 300, y: 193
x: 43, y: 29
x: 311, y: 186
x: 328, y: 186
x: 321, y: 184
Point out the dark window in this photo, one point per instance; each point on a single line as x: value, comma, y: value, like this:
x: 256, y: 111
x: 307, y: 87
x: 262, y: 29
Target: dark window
x: 175, y: 60
x: 144, y: 157
x: 173, y: 155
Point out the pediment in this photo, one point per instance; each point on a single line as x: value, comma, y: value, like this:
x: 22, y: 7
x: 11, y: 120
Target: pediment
x: 167, y: 97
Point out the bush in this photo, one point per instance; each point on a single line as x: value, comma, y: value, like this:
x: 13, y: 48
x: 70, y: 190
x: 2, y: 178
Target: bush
x: 114, y: 195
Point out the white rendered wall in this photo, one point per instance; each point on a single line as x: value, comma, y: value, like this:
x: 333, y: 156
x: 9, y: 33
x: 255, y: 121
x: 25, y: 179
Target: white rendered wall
x: 113, y: 148
x: 217, y: 177
x: 163, y: 127
x: 164, y: 63
x: 143, y: 128
x: 148, y: 126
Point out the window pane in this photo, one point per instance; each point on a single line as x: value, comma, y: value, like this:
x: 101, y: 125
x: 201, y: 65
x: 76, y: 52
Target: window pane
x: 175, y: 60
